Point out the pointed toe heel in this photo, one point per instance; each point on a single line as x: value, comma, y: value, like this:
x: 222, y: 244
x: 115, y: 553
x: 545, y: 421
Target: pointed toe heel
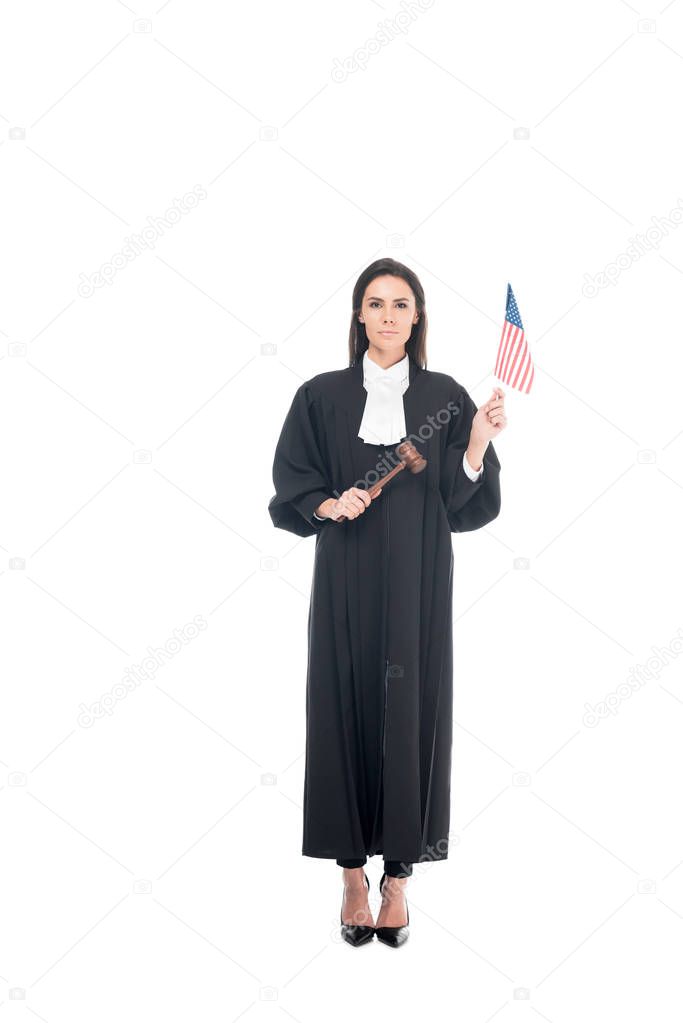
x: 393, y: 936
x: 357, y: 934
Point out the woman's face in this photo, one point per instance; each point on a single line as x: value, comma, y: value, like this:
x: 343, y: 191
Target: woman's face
x: 388, y: 312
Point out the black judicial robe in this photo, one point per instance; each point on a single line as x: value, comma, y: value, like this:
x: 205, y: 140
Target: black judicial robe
x: 380, y: 651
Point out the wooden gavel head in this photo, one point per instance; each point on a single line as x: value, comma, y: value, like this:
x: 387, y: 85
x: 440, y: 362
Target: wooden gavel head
x: 411, y: 457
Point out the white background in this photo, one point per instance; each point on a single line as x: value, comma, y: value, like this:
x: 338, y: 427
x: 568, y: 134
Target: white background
x: 151, y: 864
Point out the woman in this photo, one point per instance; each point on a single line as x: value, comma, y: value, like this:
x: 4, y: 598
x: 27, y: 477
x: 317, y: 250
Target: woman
x: 380, y: 656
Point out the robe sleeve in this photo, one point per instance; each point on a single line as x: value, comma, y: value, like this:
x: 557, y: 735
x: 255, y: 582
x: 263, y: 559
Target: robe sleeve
x: 469, y: 504
x: 300, y: 473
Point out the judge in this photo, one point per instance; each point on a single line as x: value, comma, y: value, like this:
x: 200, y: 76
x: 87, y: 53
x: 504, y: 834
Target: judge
x: 379, y: 684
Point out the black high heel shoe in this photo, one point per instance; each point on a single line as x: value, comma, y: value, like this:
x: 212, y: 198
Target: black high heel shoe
x: 393, y: 936
x: 357, y: 934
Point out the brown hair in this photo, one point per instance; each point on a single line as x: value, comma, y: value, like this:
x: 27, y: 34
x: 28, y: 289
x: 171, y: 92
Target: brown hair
x: 416, y: 346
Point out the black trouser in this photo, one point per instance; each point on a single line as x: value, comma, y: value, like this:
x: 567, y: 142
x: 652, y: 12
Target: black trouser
x: 392, y: 868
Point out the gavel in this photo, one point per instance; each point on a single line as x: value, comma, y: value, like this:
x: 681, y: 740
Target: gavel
x: 410, y: 459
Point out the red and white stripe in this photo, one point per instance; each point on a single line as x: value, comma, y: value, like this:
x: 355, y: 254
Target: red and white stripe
x: 513, y: 364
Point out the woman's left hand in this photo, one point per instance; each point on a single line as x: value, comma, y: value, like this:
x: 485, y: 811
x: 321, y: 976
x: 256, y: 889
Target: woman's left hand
x: 489, y: 420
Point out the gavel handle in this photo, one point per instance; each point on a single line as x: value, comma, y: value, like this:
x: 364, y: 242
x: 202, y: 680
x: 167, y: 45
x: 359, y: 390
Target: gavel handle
x: 374, y: 491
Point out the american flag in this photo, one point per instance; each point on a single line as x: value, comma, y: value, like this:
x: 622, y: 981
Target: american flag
x: 513, y: 364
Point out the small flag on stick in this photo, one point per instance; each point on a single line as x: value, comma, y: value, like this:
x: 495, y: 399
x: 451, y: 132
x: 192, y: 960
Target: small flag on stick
x: 513, y: 364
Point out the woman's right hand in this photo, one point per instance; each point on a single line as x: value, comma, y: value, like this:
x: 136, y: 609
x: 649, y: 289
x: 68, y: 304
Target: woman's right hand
x: 352, y: 503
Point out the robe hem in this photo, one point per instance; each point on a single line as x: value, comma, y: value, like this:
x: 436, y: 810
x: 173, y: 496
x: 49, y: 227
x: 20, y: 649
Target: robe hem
x: 421, y: 858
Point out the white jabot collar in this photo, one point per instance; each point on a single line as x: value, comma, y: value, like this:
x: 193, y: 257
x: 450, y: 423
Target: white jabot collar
x: 384, y: 417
